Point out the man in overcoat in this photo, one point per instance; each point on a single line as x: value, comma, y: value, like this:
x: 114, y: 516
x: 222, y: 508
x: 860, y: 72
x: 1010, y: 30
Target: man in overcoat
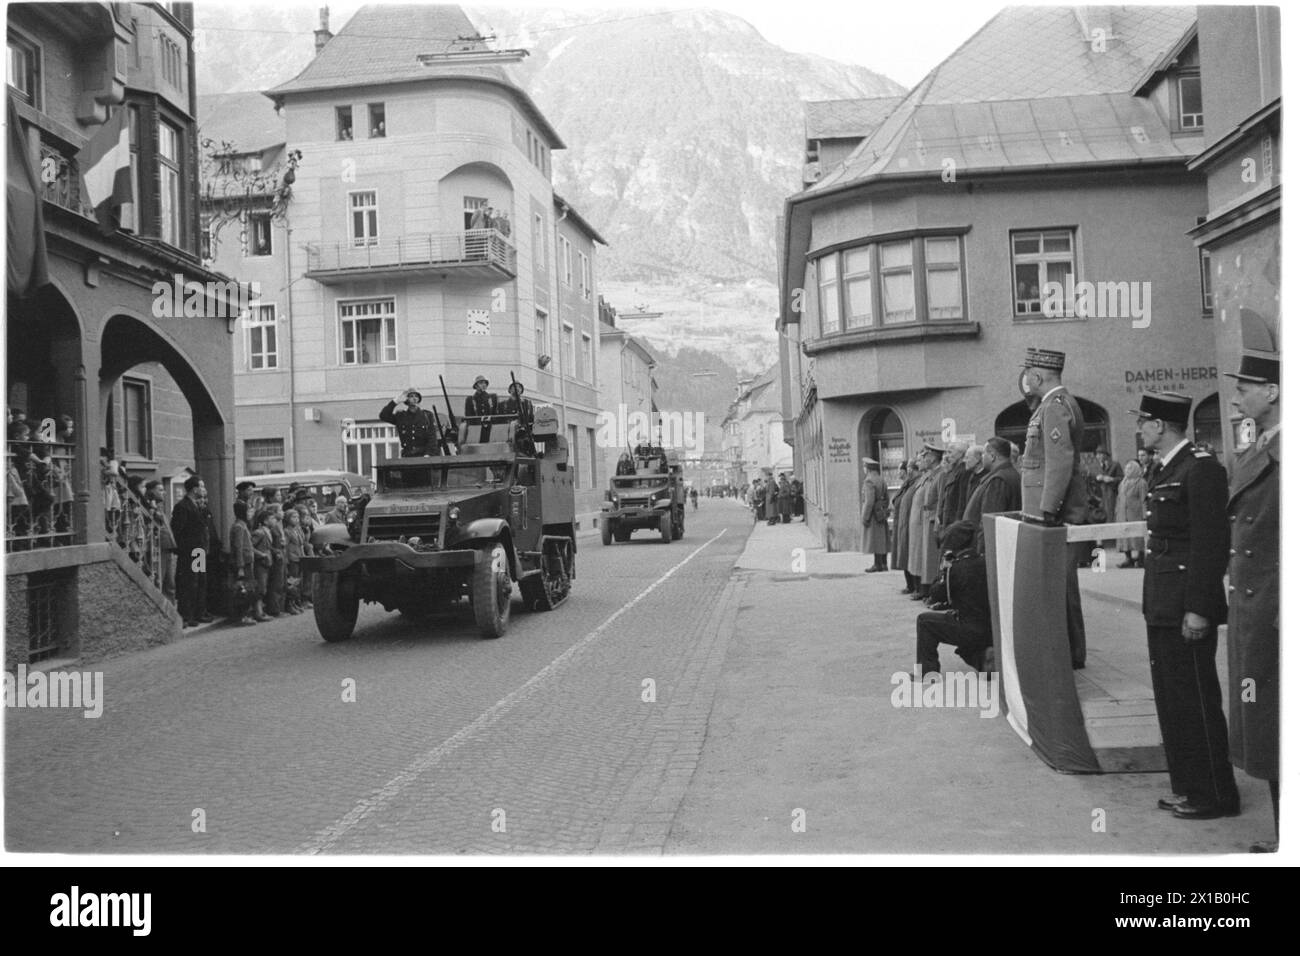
x: 875, y: 509
x: 1254, y: 688
x: 1184, y: 604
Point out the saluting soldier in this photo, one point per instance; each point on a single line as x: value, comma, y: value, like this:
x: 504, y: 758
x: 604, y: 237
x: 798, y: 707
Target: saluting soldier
x: 1254, y: 690
x: 1183, y: 603
x: 1051, y: 489
x: 417, y: 430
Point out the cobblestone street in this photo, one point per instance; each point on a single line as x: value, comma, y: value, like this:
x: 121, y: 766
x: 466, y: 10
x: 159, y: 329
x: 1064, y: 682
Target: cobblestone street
x: 538, y: 742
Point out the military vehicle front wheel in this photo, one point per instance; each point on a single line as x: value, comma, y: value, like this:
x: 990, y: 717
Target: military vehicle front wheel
x: 606, y: 533
x: 491, y: 589
x: 666, y: 527
x: 334, y: 601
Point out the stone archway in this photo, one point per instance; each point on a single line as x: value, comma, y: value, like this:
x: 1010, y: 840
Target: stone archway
x: 881, y: 436
x: 126, y: 343
x: 1207, y: 424
x: 46, y: 375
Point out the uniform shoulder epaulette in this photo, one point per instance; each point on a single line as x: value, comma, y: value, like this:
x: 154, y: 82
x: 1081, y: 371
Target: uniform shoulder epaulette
x: 1201, y: 454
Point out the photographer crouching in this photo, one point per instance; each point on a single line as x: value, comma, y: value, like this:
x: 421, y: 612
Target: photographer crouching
x: 961, y: 616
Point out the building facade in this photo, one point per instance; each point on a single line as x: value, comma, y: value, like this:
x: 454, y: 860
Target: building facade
x: 627, y: 389
x: 1238, y: 54
x: 88, y: 333
x: 423, y: 240
x: 990, y: 212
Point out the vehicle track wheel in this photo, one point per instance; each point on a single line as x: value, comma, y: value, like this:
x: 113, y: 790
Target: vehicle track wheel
x: 546, y: 591
x: 334, y: 603
x: 491, y: 587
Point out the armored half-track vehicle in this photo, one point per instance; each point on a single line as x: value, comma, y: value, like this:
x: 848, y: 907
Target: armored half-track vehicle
x: 443, y: 530
x: 651, y: 496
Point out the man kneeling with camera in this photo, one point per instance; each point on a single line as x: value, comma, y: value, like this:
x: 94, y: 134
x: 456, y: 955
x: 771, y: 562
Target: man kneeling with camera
x: 961, y: 616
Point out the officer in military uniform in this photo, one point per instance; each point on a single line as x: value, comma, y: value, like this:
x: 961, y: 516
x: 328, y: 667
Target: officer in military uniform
x: 1051, y: 489
x: 417, y: 429
x: 1183, y: 603
x: 1254, y: 585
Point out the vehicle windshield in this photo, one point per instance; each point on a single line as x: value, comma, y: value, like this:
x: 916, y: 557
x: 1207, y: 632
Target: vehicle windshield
x: 432, y: 477
x: 629, y: 484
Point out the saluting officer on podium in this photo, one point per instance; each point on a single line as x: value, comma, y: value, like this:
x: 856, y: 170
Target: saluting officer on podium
x: 1183, y: 603
x: 1051, y: 489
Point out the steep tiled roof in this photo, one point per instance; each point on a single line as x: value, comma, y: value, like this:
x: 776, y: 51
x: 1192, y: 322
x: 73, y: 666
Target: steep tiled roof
x: 846, y: 119
x: 1037, y: 52
x: 246, y: 120
x: 383, y: 44
x: 1029, y: 90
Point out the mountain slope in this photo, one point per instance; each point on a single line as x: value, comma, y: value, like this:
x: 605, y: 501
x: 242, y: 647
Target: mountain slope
x: 684, y: 131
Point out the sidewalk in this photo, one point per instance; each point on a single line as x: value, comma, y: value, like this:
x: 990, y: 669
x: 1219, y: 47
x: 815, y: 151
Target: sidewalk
x: 803, y: 727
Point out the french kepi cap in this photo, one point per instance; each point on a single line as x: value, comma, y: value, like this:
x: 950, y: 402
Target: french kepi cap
x: 1258, y: 368
x: 1044, y: 358
x: 1166, y: 406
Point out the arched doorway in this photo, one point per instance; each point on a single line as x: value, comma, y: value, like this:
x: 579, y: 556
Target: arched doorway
x: 190, y: 432
x: 881, y: 436
x: 1207, y: 424
x: 1013, y: 422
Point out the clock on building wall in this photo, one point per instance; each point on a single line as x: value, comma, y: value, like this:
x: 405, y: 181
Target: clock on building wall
x: 478, y: 322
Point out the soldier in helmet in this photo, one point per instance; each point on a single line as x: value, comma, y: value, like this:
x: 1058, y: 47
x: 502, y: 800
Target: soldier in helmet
x: 417, y: 429
x: 1051, y: 489
x: 522, y: 409
x: 517, y: 405
x: 482, y: 402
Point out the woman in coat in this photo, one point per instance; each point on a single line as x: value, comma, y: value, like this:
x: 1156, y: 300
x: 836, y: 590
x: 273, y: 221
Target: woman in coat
x: 1130, y: 505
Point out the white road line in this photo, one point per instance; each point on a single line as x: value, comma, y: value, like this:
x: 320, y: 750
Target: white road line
x: 332, y: 834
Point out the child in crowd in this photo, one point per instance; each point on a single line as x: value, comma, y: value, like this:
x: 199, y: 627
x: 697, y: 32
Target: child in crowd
x: 293, y: 552
x: 275, y: 582
x: 261, y: 537
x: 242, y: 565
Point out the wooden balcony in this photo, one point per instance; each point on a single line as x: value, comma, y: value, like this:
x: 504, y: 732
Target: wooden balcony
x: 473, y: 253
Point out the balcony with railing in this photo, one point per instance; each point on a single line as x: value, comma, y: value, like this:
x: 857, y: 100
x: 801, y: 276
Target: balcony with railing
x: 473, y: 253
x: 39, y: 496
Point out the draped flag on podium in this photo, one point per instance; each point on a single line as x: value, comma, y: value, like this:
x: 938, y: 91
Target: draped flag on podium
x: 1027, y: 572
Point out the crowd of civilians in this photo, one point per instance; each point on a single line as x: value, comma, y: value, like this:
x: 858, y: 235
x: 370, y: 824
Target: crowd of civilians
x: 775, y: 500
x: 38, y: 487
